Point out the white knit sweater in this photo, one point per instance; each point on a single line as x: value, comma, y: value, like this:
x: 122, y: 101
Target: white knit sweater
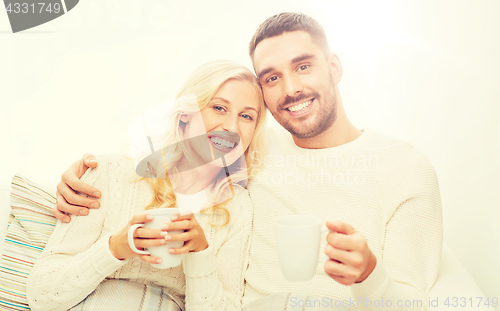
x: 77, y: 257
x: 383, y: 187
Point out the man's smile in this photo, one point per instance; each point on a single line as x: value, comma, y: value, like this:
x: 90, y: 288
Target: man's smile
x: 300, y: 109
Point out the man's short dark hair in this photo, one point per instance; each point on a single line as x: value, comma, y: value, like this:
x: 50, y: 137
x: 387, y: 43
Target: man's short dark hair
x: 287, y: 22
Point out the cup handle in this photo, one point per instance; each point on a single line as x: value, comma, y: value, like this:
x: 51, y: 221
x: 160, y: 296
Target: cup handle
x: 130, y: 236
x: 324, y: 229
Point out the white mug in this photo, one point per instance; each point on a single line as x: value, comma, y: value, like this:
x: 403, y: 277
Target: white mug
x: 161, y: 216
x: 297, y: 243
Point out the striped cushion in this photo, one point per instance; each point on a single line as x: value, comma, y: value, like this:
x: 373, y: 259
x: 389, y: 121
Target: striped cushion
x: 29, y: 227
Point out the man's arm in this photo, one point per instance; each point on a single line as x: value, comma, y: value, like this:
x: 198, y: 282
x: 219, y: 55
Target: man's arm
x: 68, y: 202
x: 411, y: 249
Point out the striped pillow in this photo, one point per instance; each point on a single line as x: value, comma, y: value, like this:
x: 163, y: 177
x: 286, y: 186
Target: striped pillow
x: 29, y: 227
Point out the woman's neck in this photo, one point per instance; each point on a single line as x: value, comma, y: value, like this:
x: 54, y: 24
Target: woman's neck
x: 194, y: 180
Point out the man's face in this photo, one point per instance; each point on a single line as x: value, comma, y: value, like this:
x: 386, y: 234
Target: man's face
x: 298, y: 83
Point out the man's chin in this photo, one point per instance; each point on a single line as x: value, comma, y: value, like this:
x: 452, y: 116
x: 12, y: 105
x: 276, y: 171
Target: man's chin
x: 301, y: 132
x: 304, y: 130
x: 309, y: 128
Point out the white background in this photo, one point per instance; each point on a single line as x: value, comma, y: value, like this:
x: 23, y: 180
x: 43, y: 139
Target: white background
x: 426, y: 72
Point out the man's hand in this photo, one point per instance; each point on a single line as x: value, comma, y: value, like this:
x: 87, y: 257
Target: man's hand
x: 351, y: 261
x: 68, y: 202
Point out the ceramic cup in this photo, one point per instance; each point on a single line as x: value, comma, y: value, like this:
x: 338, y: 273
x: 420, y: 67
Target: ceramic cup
x: 161, y: 216
x: 297, y: 243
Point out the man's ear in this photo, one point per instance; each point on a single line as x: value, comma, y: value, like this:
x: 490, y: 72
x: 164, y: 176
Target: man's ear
x: 336, y: 66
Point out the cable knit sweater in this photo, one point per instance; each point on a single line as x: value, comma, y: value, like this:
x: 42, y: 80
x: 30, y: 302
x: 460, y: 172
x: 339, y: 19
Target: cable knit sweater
x: 77, y: 257
x: 383, y: 187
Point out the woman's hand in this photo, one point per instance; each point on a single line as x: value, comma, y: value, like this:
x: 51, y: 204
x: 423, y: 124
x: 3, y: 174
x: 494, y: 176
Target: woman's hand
x: 143, y: 237
x: 193, y: 237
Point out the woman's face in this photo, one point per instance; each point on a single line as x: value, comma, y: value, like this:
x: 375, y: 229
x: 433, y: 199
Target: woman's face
x: 228, y: 123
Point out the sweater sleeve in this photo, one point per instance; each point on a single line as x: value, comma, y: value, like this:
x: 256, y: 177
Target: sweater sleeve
x: 76, y: 258
x: 411, y: 251
x: 215, y: 276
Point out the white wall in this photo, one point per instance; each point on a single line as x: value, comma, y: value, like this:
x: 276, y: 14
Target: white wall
x: 424, y: 71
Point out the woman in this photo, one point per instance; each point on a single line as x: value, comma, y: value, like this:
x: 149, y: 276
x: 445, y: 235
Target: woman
x: 91, y: 252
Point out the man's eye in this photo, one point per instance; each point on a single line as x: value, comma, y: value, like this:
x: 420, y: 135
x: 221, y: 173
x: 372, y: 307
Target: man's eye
x: 272, y: 79
x: 303, y: 67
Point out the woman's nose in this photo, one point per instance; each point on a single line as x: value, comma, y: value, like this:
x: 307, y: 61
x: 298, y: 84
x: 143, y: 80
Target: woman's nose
x: 231, y: 124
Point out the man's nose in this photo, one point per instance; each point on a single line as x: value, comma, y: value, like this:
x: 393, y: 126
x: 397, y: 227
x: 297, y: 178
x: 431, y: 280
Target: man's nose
x: 292, y: 85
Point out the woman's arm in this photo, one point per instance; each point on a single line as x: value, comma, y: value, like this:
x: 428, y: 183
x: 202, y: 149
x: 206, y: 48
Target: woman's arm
x: 77, y: 258
x: 215, y: 276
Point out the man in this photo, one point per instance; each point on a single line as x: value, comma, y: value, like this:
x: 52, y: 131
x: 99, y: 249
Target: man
x: 380, y: 194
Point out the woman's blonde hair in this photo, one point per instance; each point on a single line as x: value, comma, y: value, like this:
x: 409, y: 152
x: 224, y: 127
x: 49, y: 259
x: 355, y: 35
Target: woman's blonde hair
x: 204, y: 83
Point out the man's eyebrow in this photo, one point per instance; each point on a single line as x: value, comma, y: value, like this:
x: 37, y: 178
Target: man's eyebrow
x: 302, y: 57
x: 264, y: 72
x: 295, y: 60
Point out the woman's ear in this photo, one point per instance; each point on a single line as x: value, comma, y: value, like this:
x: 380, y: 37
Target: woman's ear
x: 185, y: 118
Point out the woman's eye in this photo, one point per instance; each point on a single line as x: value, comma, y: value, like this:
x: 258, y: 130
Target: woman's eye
x: 219, y: 108
x: 247, y: 116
